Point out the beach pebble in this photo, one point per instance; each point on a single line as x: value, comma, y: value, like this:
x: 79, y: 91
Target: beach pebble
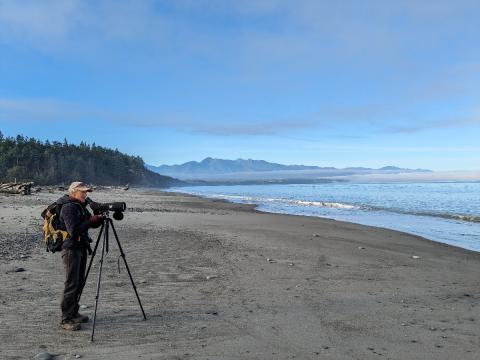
x: 43, y: 356
x: 415, y: 257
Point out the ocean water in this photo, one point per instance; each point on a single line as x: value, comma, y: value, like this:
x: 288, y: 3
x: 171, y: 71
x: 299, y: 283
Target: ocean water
x: 443, y: 212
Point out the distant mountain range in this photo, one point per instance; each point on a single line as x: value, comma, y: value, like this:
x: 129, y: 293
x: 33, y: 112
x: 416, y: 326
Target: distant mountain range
x: 242, y: 170
x: 221, y: 166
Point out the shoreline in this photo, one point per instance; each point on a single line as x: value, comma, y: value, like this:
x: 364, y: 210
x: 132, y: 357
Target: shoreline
x: 255, y: 207
x: 221, y: 280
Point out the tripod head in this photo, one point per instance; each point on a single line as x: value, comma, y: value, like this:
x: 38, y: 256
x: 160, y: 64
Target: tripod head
x: 117, y: 215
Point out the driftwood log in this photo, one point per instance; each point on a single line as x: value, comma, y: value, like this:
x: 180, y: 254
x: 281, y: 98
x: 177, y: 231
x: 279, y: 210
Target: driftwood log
x: 16, y: 188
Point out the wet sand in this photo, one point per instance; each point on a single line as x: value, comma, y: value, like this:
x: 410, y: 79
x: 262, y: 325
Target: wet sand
x: 222, y: 281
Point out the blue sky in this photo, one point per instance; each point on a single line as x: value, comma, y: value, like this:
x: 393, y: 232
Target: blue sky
x: 346, y: 83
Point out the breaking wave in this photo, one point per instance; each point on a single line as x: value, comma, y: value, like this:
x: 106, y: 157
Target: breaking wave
x: 334, y: 205
x: 344, y: 206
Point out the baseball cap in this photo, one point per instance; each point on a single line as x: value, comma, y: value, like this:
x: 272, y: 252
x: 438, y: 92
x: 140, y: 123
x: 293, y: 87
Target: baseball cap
x: 78, y: 186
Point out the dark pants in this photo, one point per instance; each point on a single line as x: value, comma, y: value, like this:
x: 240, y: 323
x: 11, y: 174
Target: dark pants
x: 74, y: 261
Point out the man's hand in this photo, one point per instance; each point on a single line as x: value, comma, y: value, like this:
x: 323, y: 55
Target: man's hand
x: 96, y: 221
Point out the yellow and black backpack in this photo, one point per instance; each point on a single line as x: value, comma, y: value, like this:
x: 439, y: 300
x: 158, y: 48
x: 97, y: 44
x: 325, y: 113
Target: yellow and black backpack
x: 53, y: 236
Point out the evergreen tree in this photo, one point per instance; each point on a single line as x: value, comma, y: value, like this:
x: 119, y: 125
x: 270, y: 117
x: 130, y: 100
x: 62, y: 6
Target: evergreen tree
x: 45, y: 163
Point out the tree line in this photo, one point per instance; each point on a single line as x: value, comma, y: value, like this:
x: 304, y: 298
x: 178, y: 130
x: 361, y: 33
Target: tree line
x: 53, y: 163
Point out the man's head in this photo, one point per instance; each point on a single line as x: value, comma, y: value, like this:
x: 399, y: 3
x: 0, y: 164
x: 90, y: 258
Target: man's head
x: 78, y: 190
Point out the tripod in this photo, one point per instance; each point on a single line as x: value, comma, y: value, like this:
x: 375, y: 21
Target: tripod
x: 107, y: 223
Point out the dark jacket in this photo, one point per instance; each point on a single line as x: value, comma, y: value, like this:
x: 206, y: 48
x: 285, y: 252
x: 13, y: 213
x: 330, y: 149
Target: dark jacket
x: 75, y: 219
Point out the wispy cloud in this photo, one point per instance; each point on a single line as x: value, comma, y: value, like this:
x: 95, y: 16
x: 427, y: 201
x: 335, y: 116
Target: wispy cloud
x: 328, y: 119
x: 38, y: 110
x: 267, y: 31
x: 58, y: 111
x: 252, y: 128
x: 44, y: 24
x: 472, y: 118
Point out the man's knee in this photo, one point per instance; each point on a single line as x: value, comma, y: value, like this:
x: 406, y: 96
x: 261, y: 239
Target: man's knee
x: 72, y: 263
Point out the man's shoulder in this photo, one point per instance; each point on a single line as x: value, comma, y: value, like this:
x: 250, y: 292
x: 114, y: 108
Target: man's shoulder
x: 71, y: 206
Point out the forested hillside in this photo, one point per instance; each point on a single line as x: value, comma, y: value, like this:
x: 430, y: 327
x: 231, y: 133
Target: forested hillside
x: 45, y: 163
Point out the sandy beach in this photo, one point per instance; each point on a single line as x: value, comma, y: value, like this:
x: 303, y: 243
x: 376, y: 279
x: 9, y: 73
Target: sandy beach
x: 222, y: 281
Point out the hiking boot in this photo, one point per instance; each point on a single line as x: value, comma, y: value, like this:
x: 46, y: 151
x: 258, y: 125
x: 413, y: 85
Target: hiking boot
x: 79, y: 318
x: 70, y: 326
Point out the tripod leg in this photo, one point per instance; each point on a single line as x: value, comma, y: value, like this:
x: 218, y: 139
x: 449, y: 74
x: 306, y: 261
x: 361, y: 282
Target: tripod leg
x: 128, y: 269
x: 90, y: 263
x: 105, y: 240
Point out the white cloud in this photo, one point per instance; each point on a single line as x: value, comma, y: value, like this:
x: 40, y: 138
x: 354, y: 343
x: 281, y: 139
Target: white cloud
x: 42, y: 24
x: 305, y: 27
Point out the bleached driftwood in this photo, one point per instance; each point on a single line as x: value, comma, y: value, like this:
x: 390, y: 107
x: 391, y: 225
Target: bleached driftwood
x: 16, y: 188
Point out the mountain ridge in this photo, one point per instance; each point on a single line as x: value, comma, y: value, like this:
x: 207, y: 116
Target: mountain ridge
x: 210, y: 167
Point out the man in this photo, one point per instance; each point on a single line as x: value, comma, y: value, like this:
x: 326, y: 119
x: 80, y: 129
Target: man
x: 76, y: 220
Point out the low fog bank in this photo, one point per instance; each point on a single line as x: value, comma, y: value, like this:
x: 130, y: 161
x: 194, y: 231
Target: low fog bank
x: 438, y: 176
